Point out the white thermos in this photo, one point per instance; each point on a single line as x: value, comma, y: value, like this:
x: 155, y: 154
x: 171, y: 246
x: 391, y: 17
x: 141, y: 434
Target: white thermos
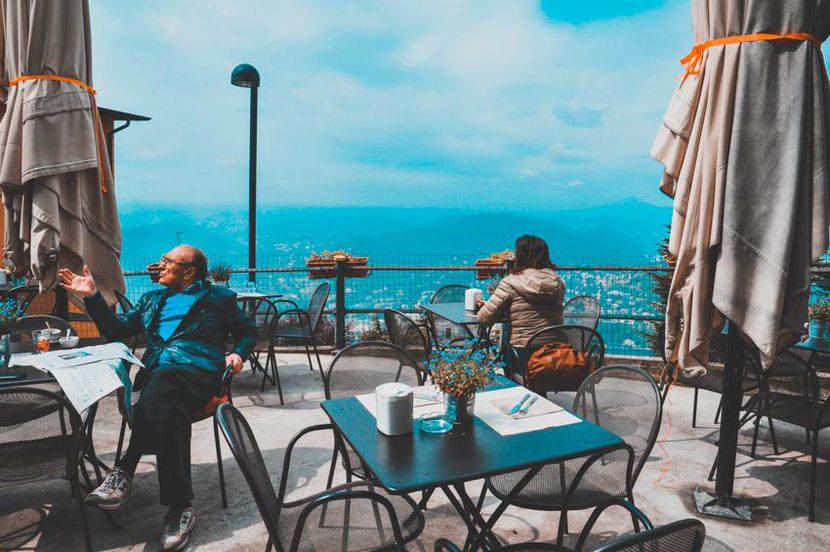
x: 470, y: 297
x: 394, y: 408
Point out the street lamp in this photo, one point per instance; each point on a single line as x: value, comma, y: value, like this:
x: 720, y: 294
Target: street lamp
x: 247, y: 76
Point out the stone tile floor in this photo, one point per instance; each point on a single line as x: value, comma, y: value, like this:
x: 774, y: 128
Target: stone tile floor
x: 42, y: 517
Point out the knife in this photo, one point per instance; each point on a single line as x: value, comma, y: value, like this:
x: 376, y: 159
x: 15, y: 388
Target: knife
x: 528, y: 404
x: 519, y: 404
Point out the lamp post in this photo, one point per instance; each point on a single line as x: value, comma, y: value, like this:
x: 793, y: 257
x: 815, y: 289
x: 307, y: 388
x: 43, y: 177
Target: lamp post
x: 247, y: 76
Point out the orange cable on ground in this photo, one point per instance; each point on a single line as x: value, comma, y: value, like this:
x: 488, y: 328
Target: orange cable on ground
x: 96, y: 119
x: 694, y: 58
x: 665, y: 465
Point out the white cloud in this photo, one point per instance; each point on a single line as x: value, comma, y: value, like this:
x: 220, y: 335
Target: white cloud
x: 386, y: 103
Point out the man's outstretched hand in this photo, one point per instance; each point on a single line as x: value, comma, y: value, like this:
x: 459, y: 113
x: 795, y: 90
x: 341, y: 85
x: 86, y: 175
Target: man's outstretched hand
x: 234, y: 360
x: 82, y: 286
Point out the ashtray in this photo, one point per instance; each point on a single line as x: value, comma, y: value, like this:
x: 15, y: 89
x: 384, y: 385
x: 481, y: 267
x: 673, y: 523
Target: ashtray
x: 434, y: 422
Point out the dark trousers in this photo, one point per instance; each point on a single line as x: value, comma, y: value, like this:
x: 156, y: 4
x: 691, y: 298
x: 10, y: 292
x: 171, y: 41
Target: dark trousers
x: 169, y: 395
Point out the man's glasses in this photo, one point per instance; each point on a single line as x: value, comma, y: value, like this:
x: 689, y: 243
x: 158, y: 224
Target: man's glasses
x: 166, y: 260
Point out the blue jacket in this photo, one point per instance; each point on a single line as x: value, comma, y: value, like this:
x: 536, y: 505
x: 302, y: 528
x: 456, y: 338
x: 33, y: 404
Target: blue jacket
x: 200, y: 338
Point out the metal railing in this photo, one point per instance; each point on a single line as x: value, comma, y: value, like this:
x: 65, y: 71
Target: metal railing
x: 624, y: 292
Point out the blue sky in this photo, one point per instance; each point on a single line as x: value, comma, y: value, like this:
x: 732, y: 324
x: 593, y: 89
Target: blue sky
x: 470, y: 103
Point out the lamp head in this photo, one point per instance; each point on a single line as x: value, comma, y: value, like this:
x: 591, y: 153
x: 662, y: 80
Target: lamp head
x: 245, y: 75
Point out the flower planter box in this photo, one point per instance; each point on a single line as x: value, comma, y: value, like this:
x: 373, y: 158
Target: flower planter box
x: 493, y: 266
x: 325, y: 266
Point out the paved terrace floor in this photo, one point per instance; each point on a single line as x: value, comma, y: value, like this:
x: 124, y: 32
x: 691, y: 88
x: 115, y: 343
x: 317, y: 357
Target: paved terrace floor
x: 41, y: 516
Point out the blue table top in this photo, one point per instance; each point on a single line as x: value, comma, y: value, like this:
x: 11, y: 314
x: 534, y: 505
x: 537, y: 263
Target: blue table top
x: 417, y: 461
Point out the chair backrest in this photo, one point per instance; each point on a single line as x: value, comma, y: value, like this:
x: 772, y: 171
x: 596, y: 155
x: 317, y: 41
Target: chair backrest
x: 580, y: 338
x: 582, y: 310
x: 261, y: 311
x: 36, y: 421
x: 24, y: 295
x: 405, y: 333
x: 243, y: 445
x: 318, y: 304
x: 361, y: 367
x: 27, y: 324
x: 624, y: 400
x: 453, y: 293
x: 686, y: 535
x: 124, y: 304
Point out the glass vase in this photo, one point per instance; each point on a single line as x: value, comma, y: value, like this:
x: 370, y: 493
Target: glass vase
x: 459, y: 410
x: 5, y: 350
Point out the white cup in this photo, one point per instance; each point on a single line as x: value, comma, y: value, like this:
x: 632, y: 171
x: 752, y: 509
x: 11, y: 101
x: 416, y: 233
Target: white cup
x: 393, y: 406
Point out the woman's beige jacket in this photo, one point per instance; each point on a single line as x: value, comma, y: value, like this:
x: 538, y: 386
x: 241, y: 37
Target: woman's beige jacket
x: 532, y: 299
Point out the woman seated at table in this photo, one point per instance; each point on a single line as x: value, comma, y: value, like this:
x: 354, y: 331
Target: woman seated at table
x: 531, y: 295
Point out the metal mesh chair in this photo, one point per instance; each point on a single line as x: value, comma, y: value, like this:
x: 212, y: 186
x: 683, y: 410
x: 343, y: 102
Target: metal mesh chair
x: 263, y: 313
x: 24, y: 295
x: 406, y: 334
x: 21, y: 338
x: 359, y: 369
x: 808, y: 413
x: 444, y: 331
x: 40, y: 440
x: 685, y: 535
x: 223, y: 395
x: 125, y: 305
x: 303, y: 331
x: 786, y: 366
x: 582, y: 310
x: 712, y: 380
x: 625, y: 401
x: 581, y: 338
x: 356, y: 516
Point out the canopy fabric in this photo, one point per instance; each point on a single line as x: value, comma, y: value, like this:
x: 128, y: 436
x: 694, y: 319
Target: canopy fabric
x: 744, y: 145
x: 57, y: 213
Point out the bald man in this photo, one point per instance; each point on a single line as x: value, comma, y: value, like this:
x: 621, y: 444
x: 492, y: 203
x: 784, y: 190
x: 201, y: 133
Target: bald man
x: 187, y: 325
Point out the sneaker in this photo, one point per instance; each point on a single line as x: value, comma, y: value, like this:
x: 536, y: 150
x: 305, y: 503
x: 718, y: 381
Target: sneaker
x: 114, y: 491
x: 177, y: 528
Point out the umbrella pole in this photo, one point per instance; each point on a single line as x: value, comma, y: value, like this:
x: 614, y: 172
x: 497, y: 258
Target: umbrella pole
x: 724, y: 503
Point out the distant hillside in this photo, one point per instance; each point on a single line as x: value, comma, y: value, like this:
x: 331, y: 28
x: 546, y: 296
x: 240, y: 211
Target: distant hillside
x: 622, y: 231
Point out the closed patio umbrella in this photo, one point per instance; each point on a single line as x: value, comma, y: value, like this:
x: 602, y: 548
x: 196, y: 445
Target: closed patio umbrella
x: 58, y: 190
x: 744, y: 144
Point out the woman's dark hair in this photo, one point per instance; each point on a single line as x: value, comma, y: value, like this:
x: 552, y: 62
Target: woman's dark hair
x: 531, y: 252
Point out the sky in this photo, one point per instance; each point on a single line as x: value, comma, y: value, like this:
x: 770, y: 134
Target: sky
x: 480, y: 104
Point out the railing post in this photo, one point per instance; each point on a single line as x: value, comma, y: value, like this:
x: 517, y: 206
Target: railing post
x: 340, y: 304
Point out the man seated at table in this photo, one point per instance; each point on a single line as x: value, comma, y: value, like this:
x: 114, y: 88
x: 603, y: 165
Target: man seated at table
x: 186, y: 325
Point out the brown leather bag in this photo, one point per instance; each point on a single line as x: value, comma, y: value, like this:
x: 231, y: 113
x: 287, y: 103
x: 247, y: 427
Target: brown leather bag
x: 557, y: 367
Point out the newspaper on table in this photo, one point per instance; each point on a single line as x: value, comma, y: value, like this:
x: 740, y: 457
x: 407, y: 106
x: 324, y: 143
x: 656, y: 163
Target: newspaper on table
x: 88, y: 374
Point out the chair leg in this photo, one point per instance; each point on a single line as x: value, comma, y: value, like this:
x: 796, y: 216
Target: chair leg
x: 76, y: 491
x: 308, y: 354
x: 563, y: 517
x: 812, y: 509
x: 772, y: 436
x: 121, y: 439
x: 219, y: 464
x: 714, y: 468
x: 720, y: 407
x: 272, y: 359
x: 317, y: 354
x: 694, y: 409
x: 269, y: 545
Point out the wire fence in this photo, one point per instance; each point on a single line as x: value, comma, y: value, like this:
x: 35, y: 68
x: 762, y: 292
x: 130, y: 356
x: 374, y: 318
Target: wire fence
x: 402, y: 282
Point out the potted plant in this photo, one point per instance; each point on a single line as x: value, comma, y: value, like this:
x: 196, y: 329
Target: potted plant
x: 494, y: 265
x: 323, y: 265
x: 220, y: 274
x: 820, y: 319
x: 459, y: 372
x: 10, y: 312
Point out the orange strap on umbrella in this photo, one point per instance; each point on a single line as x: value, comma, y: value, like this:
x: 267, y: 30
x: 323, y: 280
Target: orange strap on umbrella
x: 694, y: 58
x: 92, y: 93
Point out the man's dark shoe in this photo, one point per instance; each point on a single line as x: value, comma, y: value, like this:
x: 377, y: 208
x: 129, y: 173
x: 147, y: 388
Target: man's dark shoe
x: 177, y: 527
x: 114, y: 491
